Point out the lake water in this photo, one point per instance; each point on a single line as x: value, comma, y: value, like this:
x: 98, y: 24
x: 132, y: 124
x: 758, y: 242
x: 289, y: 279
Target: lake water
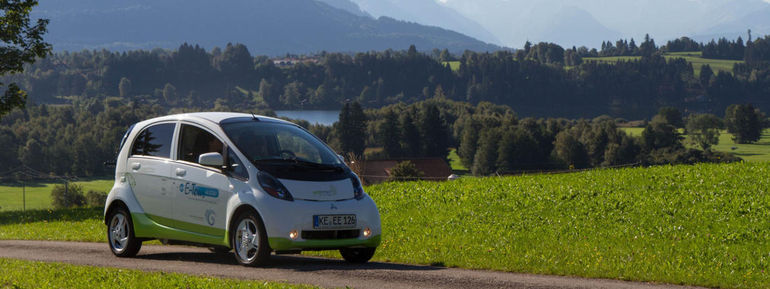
x: 324, y: 117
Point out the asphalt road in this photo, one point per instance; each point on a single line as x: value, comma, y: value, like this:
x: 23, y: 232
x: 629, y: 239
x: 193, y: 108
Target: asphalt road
x: 296, y: 268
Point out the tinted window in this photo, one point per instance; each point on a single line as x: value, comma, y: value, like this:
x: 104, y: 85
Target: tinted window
x: 235, y: 166
x: 195, y: 142
x: 154, y: 141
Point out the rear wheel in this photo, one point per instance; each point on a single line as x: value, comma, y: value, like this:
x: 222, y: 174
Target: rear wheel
x: 120, y: 234
x: 249, y: 240
x: 357, y: 255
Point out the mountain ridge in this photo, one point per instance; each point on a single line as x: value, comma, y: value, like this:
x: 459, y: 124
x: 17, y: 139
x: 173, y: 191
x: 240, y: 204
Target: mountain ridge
x: 271, y: 27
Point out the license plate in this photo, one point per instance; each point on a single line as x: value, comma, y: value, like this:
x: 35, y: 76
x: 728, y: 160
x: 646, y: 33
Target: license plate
x: 334, y: 221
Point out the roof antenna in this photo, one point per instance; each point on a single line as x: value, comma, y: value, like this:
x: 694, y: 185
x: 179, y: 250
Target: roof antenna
x: 254, y: 117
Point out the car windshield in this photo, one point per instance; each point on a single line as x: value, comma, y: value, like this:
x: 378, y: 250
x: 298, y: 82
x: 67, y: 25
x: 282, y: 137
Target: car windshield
x: 276, y: 143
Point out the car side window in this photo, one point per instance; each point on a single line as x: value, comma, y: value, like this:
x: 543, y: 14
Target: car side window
x: 235, y: 166
x: 154, y: 141
x: 195, y: 141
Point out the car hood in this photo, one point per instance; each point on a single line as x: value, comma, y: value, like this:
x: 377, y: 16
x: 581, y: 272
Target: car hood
x: 320, y: 191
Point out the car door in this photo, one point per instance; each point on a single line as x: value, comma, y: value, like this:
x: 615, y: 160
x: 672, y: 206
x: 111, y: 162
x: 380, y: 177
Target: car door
x: 200, y: 201
x: 149, y: 170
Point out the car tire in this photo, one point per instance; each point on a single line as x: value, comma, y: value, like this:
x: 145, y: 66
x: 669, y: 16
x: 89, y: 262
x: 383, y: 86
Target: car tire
x: 249, y: 240
x: 120, y: 234
x: 357, y: 255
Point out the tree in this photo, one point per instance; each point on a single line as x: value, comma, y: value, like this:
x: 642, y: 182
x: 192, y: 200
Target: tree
x: 647, y: 48
x: 660, y: 134
x: 410, y: 136
x: 485, y: 160
x: 22, y: 44
x: 469, y: 142
x: 390, y: 135
x: 705, y: 75
x: 570, y: 150
x: 169, y: 93
x: 405, y: 171
x: 352, y: 129
x: 434, y: 131
x: 744, y: 122
x: 703, y: 130
x: 124, y: 87
x: 671, y: 115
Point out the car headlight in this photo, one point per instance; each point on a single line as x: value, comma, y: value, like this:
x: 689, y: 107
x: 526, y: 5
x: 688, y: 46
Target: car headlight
x: 273, y: 186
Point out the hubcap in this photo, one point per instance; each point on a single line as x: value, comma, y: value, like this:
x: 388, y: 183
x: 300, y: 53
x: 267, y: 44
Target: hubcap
x: 118, y: 232
x: 247, y: 240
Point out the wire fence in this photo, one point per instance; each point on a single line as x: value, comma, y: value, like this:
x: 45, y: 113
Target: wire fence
x: 15, y: 184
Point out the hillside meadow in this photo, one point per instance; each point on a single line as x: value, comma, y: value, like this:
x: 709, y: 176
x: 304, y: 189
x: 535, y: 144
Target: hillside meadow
x: 753, y: 152
x: 705, y: 224
x: 693, y: 57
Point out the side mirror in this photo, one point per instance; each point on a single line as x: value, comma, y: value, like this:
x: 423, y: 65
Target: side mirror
x: 211, y: 159
x: 342, y: 159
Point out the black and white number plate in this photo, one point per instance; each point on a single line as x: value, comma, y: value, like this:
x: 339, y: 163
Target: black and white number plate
x: 334, y: 221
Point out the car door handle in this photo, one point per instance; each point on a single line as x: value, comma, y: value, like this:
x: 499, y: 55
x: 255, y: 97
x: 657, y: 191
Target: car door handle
x: 136, y: 166
x: 181, y: 172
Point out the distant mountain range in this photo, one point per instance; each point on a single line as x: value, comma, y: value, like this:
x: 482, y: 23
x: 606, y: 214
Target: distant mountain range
x: 272, y: 27
x: 582, y: 22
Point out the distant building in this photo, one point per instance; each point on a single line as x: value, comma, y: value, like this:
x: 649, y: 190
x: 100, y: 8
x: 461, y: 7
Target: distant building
x: 291, y: 61
x: 378, y: 171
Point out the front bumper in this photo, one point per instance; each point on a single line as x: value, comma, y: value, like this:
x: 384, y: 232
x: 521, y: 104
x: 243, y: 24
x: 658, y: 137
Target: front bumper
x: 282, y: 217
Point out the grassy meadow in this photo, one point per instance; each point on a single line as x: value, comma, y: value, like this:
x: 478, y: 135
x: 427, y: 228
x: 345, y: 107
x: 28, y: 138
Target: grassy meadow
x: 758, y: 151
x: 706, y: 224
x: 38, y: 194
x: 691, y: 57
x: 31, y: 274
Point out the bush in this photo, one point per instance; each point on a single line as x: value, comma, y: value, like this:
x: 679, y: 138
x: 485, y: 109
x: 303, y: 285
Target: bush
x: 67, y: 196
x: 405, y: 171
x: 96, y: 199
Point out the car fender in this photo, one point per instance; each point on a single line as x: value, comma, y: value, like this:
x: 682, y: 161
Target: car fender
x: 122, y: 191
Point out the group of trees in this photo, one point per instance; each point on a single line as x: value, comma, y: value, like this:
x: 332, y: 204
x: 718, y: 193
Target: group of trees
x: 73, y: 140
x: 724, y: 49
x: 531, y: 80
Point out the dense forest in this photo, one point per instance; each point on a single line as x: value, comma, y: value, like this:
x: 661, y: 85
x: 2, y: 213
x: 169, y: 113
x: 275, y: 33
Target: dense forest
x: 80, y: 103
x: 542, y: 80
x: 78, y: 140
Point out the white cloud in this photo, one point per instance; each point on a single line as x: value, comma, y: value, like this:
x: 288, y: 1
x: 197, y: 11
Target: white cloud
x: 444, y: 1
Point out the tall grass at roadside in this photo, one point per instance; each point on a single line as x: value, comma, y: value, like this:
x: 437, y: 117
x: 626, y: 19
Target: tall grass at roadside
x: 706, y: 224
x: 30, y: 274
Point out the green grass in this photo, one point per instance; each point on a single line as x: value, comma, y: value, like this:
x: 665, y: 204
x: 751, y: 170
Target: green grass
x: 755, y: 152
x: 759, y: 151
x: 38, y: 194
x: 707, y: 224
x: 31, y: 274
x: 692, y: 57
x: 454, y: 65
x: 455, y: 163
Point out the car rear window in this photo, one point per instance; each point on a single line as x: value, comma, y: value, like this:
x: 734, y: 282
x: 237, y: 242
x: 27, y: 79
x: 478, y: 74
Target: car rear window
x: 154, y: 141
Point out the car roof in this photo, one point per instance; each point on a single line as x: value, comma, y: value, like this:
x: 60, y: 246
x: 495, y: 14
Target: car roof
x: 217, y: 117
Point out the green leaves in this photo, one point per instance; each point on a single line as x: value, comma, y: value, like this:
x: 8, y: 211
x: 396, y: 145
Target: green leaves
x: 22, y: 43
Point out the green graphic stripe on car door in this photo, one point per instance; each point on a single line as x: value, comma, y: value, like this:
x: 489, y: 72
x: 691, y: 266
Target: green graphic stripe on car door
x: 146, y: 226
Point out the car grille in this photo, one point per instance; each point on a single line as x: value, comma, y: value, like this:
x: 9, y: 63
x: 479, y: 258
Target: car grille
x: 330, y: 235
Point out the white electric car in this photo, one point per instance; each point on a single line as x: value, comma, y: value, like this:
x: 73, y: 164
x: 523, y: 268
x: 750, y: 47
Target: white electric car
x: 241, y: 182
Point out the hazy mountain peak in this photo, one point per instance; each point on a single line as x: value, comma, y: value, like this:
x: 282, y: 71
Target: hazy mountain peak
x: 272, y: 27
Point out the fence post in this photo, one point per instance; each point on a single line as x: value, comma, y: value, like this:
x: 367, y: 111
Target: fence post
x: 23, y: 196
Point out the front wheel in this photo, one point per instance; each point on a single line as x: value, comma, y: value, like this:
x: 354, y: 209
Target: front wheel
x: 249, y: 240
x: 357, y: 255
x: 120, y: 234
